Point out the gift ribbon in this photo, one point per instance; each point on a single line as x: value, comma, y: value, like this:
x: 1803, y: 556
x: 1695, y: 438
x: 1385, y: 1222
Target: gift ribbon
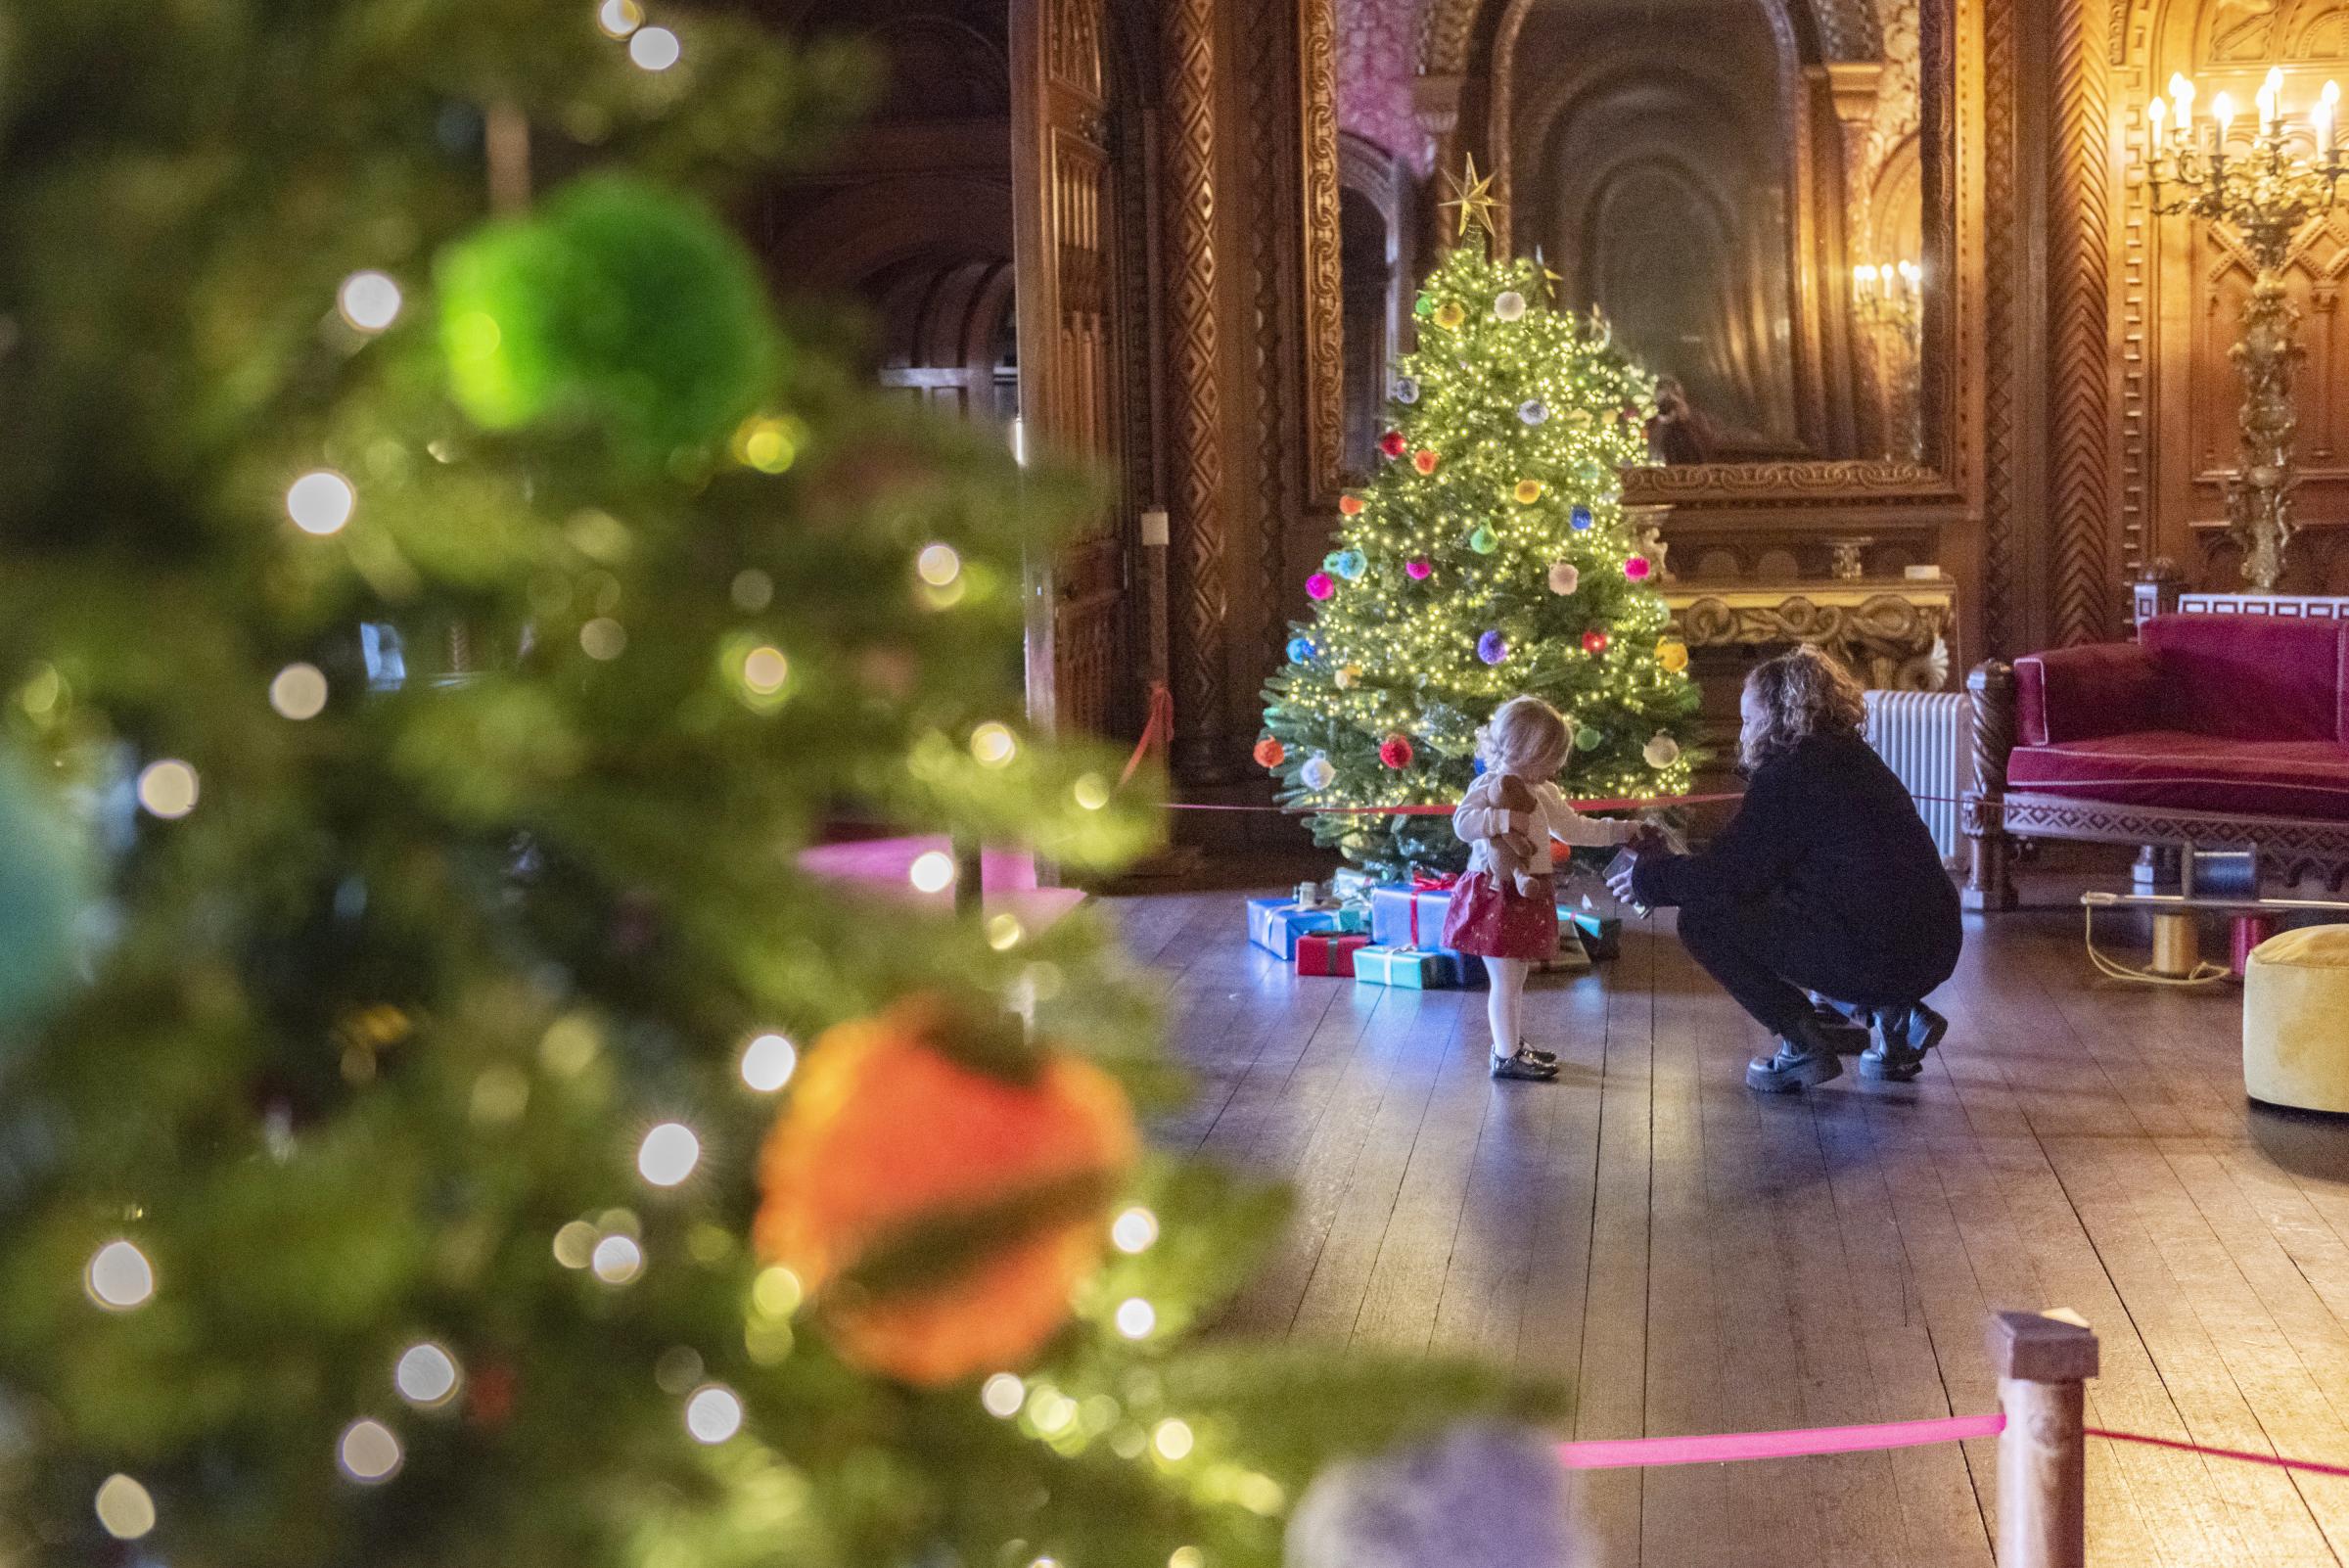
x: 1427, y: 882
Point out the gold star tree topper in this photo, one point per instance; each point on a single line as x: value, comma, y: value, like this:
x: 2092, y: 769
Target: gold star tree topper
x: 1472, y: 196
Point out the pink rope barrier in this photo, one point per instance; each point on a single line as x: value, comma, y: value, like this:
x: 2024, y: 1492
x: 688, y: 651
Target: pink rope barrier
x: 2273, y: 1461
x: 1640, y: 1453
x: 1623, y: 1453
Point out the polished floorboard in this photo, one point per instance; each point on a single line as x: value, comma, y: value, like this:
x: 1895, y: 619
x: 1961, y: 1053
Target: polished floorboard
x: 1694, y: 1258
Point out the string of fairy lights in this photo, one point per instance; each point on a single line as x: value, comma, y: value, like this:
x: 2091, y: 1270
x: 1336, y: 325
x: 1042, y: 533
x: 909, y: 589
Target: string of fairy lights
x: 425, y: 1375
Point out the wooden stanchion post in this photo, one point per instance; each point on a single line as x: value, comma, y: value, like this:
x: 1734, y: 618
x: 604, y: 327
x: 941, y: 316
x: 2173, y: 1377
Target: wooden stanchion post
x: 2044, y: 1364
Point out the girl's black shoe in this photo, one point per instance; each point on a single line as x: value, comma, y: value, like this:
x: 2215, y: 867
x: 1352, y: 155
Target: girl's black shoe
x: 1523, y: 1066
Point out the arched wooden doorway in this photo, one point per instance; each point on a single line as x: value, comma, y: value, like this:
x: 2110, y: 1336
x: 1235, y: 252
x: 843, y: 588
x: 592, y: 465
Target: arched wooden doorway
x: 995, y: 218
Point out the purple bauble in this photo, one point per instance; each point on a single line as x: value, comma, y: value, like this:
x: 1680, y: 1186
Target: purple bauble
x: 1492, y: 647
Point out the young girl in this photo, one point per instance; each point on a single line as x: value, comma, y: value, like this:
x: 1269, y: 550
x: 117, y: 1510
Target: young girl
x: 1511, y: 927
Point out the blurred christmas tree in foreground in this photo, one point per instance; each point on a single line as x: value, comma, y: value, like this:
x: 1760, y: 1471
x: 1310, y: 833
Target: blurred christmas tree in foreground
x: 439, y: 1122
x: 1490, y: 557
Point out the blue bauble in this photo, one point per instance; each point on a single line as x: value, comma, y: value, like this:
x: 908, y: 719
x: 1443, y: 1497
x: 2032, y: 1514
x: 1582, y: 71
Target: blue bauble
x: 1350, y: 564
x: 45, y: 885
x: 1302, y: 650
x: 1533, y: 411
x: 1579, y: 517
x: 1406, y: 390
x: 1492, y: 648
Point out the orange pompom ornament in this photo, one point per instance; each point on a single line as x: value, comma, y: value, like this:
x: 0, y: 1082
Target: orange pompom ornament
x: 940, y: 1217
x: 1424, y: 460
x: 1270, y: 753
x: 1350, y: 505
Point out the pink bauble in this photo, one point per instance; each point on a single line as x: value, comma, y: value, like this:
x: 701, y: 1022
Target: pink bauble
x: 1564, y: 578
x: 1418, y: 571
x: 1637, y: 568
x: 1319, y: 585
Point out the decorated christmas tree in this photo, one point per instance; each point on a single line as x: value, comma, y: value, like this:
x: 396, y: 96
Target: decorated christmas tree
x: 442, y: 1119
x: 1489, y: 557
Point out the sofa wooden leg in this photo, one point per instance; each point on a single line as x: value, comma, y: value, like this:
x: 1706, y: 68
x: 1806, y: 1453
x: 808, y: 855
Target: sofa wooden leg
x: 1989, y: 857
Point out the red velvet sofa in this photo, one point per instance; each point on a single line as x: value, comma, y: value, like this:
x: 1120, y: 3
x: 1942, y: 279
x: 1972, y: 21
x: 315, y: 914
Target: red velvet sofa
x: 2216, y: 732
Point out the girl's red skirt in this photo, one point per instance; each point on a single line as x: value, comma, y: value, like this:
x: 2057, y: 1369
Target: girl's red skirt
x: 1501, y: 922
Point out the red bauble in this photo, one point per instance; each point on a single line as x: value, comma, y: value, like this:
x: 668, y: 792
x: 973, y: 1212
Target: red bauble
x: 1595, y: 641
x: 1270, y: 753
x: 1393, y: 445
x: 1396, y: 751
x: 1425, y: 461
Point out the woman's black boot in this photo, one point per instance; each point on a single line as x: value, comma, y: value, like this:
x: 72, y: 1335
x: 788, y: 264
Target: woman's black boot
x: 1806, y: 1054
x: 1906, y: 1035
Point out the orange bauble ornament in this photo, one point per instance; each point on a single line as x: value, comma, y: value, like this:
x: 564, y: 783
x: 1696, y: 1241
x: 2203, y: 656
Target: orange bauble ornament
x: 1350, y: 505
x: 1270, y: 753
x: 888, y: 1140
x: 1425, y: 461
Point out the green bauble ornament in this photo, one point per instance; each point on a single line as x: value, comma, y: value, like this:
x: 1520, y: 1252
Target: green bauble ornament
x: 1424, y: 307
x: 44, y: 887
x: 1483, y: 541
x: 1586, y: 739
x: 617, y: 303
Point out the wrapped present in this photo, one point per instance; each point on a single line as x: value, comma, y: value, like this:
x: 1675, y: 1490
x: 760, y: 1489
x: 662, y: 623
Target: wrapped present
x: 1602, y: 934
x: 1570, y: 958
x: 1353, y: 918
x: 1351, y: 884
x: 1409, y: 917
x: 1417, y: 969
x: 1274, y: 925
x: 1328, y: 953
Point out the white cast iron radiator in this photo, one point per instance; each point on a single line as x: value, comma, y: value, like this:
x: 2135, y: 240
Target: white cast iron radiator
x: 1924, y: 738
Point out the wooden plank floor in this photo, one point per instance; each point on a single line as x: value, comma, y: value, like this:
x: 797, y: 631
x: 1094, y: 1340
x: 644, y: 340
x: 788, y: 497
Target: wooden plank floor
x: 1695, y: 1258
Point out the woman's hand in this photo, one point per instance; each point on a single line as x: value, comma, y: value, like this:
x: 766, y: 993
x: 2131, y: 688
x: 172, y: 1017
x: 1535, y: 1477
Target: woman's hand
x: 1621, y: 874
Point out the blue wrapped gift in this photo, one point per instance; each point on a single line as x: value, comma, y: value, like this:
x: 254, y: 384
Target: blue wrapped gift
x: 1409, y: 917
x: 1275, y: 924
x: 1602, y: 934
x: 1350, y: 882
x: 1355, y: 918
x: 1417, y: 969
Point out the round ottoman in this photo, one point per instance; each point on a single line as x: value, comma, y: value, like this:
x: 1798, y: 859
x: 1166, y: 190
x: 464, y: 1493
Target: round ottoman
x: 2296, y: 1019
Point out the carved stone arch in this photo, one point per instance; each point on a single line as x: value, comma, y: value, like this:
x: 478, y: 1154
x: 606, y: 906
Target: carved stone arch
x: 1797, y: 46
x: 1817, y: 355
x: 843, y: 239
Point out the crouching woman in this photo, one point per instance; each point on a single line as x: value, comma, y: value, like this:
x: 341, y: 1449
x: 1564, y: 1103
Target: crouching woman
x: 1826, y: 881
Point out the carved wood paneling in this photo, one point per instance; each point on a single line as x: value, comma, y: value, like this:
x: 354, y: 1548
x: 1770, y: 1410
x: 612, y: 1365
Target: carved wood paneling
x: 2079, y: 311
x: 1324, y: 285
x: 1072, y: 391
x: 1272, y: 132
x: 2002, y: 578
x: 1202, y: 604
x: 1816, y: 483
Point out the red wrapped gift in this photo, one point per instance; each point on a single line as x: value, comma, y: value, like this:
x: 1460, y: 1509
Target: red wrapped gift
x: 1329, y: 953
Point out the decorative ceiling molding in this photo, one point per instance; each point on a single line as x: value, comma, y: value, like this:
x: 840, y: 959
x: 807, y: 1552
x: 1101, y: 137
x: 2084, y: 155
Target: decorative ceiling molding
x: 1846, y: 29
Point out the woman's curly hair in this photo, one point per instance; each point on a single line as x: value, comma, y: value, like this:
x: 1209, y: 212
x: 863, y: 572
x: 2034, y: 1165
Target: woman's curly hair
x: 1804, y: 692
